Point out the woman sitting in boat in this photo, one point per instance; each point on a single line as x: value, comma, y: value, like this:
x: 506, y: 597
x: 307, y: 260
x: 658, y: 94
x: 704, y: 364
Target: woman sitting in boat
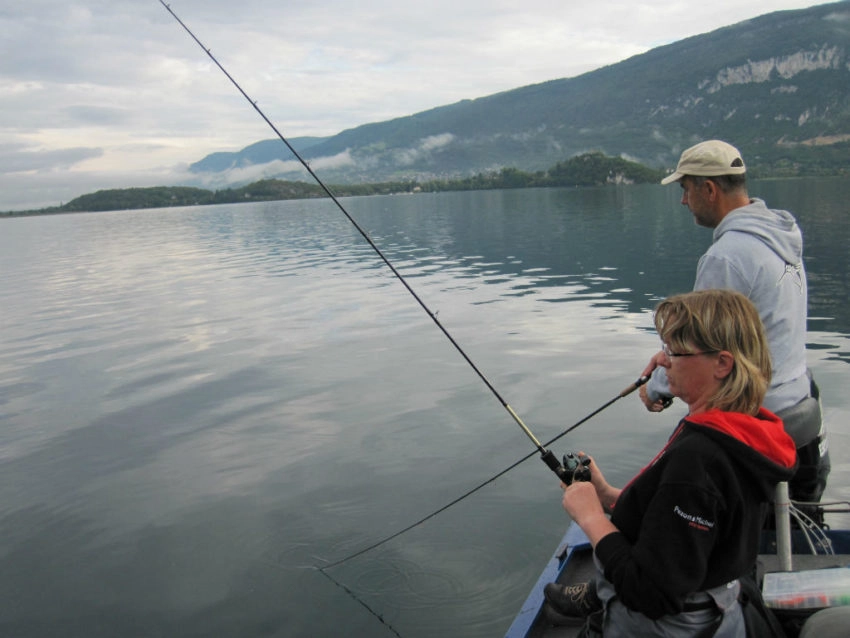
x: 683, y: 531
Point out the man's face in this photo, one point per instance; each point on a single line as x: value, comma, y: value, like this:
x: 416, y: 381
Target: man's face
x: 696, y: 196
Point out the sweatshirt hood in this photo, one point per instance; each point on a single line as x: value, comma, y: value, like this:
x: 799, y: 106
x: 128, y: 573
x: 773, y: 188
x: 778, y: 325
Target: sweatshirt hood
x: 776, y: 228
x: 760, y: 442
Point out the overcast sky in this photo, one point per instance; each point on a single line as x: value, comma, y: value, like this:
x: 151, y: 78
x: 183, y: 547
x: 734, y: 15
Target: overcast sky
x: 113, y: 93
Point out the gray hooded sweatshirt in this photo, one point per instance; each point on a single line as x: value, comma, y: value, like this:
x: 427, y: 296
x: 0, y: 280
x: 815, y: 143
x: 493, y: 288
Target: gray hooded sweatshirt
x: 758, y: 251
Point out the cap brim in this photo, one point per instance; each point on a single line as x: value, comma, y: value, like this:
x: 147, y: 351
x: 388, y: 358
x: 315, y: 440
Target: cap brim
x: 672, y: 177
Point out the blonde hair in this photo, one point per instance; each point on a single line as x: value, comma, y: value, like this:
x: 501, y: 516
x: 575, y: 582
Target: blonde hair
x: 717, y: 320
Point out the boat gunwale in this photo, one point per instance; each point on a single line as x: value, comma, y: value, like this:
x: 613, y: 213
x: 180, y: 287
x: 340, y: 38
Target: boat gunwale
x: 573, y: 540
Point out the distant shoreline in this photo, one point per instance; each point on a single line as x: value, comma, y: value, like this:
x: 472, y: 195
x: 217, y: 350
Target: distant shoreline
x: 589, y: 169
x: 563, y: 175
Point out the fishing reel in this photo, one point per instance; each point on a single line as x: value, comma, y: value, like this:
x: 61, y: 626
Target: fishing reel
x: 575, y: 467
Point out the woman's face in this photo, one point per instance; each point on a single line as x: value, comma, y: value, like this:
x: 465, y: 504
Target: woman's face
x: 692, y: 376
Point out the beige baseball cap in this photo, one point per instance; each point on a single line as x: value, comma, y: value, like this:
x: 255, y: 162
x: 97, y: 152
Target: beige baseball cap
x: 708, y: 159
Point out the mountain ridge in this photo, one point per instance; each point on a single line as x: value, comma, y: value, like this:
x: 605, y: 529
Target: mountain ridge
x: 778, y: 86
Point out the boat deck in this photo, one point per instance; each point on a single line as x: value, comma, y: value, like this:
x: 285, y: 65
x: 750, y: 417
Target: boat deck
x: 573, y: 563
x: 580, y: 569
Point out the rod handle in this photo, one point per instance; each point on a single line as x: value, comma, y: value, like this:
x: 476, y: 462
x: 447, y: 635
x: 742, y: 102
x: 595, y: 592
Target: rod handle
x: 634, y: 386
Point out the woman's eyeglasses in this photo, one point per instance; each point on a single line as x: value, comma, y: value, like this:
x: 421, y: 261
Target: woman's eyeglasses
x: 672, y: 354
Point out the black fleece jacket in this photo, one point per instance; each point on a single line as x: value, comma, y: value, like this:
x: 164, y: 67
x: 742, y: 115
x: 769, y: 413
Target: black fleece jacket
x: 691, y: 519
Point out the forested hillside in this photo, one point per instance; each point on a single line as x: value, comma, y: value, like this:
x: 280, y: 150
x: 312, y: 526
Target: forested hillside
x: 592, y: 169
x: 777, y: 86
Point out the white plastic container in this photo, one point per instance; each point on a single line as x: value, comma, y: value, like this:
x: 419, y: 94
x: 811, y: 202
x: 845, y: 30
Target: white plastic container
x: 810, y: 589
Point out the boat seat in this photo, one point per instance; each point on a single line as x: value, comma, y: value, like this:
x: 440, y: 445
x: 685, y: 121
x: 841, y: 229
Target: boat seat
x: 827, y: 623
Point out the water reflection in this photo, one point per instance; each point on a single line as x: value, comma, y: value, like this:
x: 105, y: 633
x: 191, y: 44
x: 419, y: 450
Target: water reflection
x: 197, y: 404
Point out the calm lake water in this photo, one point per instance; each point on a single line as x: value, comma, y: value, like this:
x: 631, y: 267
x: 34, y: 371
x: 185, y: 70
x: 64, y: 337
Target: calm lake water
x: 201, y: 406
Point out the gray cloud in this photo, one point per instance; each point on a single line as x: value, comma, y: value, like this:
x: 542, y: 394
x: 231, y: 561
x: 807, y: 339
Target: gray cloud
x: 426, y: 145
x: 276, y: 168
x: 22, y: 160
x: 98, y: 91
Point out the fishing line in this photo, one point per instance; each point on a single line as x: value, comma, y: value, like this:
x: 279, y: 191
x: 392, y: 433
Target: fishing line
x: 546, y: 455
x: 626, y: 391
x: 359, y: 600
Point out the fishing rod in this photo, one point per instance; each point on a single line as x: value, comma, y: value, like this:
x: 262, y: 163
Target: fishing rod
x: 565, y: 474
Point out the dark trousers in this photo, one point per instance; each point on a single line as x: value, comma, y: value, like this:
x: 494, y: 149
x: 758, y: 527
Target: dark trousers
x: 804, y: 423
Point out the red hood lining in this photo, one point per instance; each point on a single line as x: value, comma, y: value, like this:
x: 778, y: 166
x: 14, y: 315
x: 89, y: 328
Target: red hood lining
x: 767, y: 436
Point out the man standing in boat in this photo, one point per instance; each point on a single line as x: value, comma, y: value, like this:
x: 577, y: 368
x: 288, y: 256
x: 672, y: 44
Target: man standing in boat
x: 757, y: 251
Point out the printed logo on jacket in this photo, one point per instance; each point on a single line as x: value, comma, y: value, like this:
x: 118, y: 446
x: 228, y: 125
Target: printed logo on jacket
x: 695, y: 521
